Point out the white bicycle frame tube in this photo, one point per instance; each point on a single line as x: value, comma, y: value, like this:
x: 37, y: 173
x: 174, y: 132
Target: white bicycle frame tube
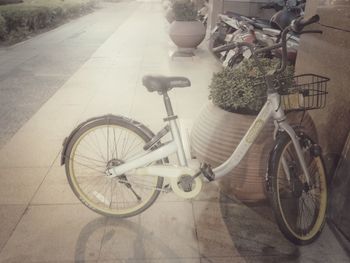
x: 174, y: 128
x: 271, y: 108
x: 174, y: 146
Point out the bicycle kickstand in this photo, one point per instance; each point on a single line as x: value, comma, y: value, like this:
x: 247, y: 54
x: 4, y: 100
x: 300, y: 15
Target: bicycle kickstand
x: 207, y: 171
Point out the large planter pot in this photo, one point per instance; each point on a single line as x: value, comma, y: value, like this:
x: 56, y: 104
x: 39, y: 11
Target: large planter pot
x: 215, y: 135
x: 187, y: 34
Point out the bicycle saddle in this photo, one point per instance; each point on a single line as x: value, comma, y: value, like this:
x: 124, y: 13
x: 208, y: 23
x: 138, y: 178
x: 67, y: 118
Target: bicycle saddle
x: 163, y: 83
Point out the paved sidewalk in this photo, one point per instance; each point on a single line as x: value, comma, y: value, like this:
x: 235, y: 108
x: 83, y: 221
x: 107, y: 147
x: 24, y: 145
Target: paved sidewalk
x: 32, y: 71
x: 42, y: 221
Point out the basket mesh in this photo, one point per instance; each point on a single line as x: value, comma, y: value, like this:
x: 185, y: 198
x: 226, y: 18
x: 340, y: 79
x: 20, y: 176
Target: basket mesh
x: 303, y: 92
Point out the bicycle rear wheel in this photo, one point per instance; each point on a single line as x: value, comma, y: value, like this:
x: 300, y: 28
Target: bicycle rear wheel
x: 99, y: 145
x: 299, y: 208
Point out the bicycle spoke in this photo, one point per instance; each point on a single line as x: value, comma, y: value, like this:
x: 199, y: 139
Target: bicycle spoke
x: 93, y: 148
x: 98, y: 148
x: 115, y: 146
x: 108, y: 142
x: 84, y: 165
x: 128, y: 148
x: 91, y: 159
x: 127, y: 156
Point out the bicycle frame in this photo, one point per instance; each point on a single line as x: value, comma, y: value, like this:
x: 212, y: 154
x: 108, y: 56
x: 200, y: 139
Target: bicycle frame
x: 271, y: 109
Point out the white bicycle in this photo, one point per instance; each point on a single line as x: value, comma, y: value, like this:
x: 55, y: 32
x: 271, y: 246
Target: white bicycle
x: 116, y: 166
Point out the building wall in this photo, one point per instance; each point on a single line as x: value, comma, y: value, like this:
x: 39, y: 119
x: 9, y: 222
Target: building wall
x: 329, y: 55
x: 244, y: 7
x: 248, y: 8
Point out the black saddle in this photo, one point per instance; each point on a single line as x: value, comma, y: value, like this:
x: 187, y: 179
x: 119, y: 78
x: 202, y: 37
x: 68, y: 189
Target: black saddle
x: 163, y: 84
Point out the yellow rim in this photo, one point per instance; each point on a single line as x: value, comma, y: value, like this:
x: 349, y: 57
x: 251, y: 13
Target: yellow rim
x: 322, y: 201
x: 84, y: 197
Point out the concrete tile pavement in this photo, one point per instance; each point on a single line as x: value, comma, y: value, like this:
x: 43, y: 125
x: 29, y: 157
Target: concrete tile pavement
x: 10, y: 215
x: 43, y: 222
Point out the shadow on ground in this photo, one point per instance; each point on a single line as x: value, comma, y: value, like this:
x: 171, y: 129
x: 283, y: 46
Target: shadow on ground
x: 255, y: 234
x: 123, y: 239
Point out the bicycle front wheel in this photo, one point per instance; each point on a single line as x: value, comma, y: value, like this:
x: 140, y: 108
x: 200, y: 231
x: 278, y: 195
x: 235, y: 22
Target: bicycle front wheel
x: 299, y: 207
x: 98, y: 146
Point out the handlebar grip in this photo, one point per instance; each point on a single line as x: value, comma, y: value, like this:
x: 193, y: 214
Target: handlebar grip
x: 300, y: 23
x: 224, y: 48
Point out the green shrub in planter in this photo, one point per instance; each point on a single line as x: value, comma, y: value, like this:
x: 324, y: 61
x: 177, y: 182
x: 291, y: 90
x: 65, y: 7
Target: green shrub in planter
x: 184, y: 10
x: 242, y: 89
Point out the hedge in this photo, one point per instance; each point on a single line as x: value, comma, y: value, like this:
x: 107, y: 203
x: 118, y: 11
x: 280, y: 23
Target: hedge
x: 19, y: 20
x: 6, y: 2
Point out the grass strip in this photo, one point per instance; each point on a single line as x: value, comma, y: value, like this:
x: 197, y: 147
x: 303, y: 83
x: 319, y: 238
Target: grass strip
x: 17, y: 21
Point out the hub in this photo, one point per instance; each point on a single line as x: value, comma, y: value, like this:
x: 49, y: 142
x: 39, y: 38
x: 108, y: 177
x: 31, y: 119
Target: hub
x: 112, y: 163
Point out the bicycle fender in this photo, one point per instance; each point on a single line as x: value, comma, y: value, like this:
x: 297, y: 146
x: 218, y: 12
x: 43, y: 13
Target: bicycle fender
x: 68, y: 139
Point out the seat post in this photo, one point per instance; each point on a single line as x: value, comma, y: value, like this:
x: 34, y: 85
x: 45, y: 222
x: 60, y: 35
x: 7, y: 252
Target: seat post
x: 167, y: 103
x: 175, y: 132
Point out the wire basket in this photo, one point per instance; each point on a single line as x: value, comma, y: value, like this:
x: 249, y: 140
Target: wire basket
x: 303, y: 92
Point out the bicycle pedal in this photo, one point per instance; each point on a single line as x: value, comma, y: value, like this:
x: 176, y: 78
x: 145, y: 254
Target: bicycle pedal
x: 207, y: 171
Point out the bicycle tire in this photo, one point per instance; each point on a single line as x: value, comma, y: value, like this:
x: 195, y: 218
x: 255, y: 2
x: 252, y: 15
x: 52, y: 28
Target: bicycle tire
x: 235, y: 60
x: 298, y: 230
x: 103, y: 202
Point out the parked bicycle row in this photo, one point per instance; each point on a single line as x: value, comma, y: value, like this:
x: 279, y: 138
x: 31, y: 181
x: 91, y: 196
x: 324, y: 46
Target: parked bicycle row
x: 234, y: 28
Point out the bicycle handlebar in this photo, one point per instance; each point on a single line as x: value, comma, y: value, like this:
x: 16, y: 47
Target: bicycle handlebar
x: 299, y: 23
x: 224, y: 48
x: 297, y: 26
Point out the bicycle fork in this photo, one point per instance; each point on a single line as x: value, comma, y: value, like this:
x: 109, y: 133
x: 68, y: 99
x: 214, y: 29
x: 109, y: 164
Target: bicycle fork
x: 295, y: 140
